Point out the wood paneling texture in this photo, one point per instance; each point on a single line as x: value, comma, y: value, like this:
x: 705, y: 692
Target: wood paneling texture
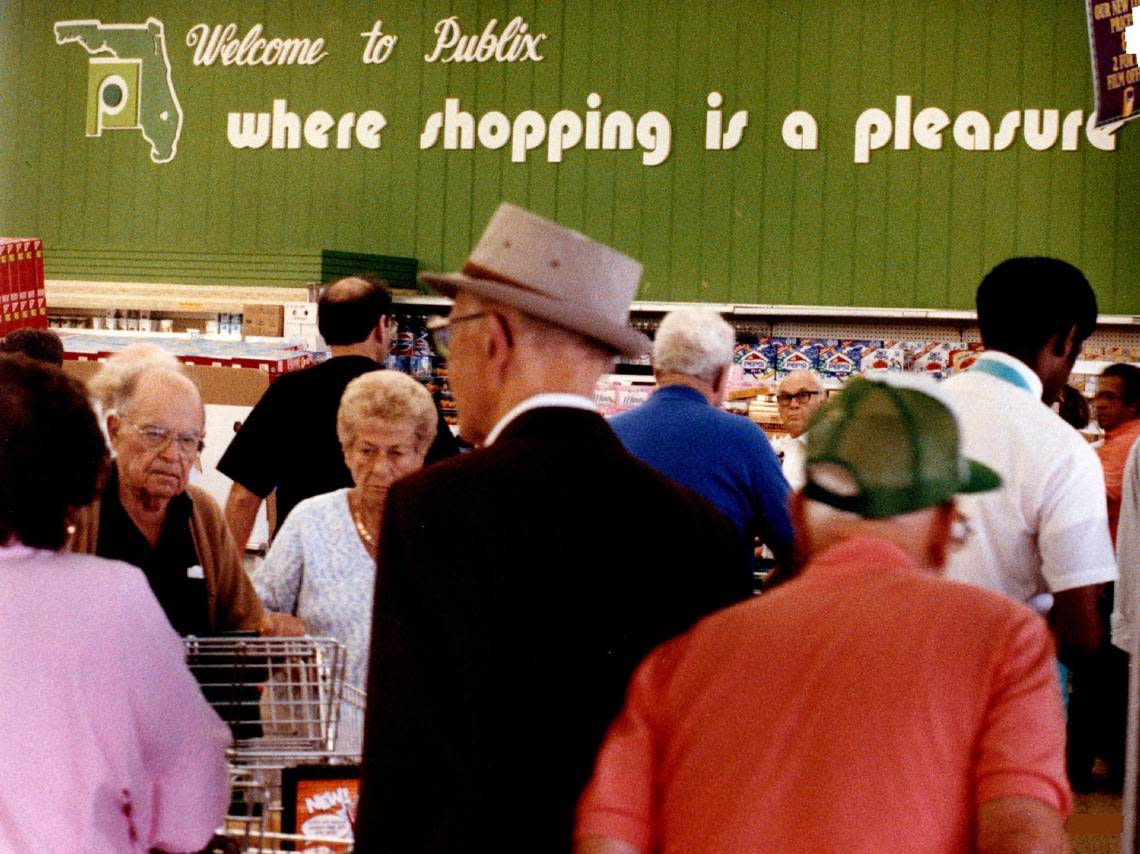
x: 759, y: 224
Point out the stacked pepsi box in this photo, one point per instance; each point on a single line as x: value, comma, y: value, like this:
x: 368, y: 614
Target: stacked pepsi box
x: 766, y: 360
x: 23, y: 301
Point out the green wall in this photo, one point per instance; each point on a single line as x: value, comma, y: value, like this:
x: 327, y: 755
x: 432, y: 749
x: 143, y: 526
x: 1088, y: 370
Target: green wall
x: 761, y: 223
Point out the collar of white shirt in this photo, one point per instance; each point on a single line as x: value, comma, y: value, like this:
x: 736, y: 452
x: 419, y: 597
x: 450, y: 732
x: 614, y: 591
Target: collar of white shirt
x: 1023, y: 370
x: 539, y: 401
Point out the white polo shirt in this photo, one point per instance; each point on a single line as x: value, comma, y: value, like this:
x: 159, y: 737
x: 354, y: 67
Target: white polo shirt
x: 793, y: 459
x: 1046, y: 529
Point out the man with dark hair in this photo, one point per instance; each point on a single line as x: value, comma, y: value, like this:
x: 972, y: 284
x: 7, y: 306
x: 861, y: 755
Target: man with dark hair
x: 288, y: 443
x: 1098, y: 704
x: 43, y: 345
x: 1039, y: 311
x: 1117, y: 401
x: 1043, y: 537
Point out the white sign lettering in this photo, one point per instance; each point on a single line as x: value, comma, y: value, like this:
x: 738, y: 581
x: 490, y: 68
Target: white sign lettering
x: 515, y: 44
x: 222, y: 43
x: 564, y: 131
x: 379, y: 46
x: 875, y: 128
x: 285, y: 129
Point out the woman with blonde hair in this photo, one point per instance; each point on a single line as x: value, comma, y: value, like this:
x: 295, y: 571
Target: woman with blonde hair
x: 319, y: 575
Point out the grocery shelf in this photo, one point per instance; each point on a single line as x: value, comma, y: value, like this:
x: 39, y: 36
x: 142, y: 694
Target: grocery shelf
x: 92, y: 295
x: 63, y: 295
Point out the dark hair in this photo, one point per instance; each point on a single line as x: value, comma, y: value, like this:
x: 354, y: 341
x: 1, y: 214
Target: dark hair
x: 1074, y: 408
x: 52, y: 453
x: 1129, y: 376
x: 43, y: 345
x: 349, y: 309
x: 1023, y: 302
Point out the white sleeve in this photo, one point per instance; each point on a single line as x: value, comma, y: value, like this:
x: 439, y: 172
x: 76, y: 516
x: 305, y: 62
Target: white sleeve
x: 278, y: 580
x: 183, y: 739
x: 1126, y: 608
x: 1076, y: 549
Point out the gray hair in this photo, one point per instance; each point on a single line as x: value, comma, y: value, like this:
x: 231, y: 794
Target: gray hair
x: 694, y: 341
x: 119, y: 375
x: 391, y: 395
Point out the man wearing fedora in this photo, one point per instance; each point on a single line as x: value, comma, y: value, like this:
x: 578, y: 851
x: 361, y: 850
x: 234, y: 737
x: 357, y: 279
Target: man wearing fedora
x: 520, y: 584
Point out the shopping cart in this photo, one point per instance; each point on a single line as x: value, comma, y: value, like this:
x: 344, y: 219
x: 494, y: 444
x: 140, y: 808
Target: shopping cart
x: 287, y: 705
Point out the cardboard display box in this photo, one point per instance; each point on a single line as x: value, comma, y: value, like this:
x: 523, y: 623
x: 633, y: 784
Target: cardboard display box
x: 263, y: 320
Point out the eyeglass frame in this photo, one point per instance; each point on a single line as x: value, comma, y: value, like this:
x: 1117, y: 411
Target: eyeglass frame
x: 440, y: 329
x: 156, y: 437
x: 801, y: 397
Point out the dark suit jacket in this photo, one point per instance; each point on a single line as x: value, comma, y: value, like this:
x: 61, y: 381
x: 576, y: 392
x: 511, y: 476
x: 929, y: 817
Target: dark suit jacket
x: 518, y: 587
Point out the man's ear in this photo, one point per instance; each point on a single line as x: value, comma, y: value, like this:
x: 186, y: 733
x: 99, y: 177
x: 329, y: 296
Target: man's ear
x: 801, y: 536
x: 938, y: 544
x: 380, y: 331
x: 498, y: 344
x: 720, y: 383
x: 1063, y: 344
x: 114, y: 425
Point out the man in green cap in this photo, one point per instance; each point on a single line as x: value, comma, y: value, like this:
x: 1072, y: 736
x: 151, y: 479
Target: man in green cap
x: 867, y: 704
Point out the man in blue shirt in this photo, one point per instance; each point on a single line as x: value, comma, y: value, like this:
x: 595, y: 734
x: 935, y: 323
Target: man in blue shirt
x: 683, y: 433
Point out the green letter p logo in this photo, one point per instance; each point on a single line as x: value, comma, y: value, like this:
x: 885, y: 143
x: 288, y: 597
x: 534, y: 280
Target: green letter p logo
x: 112, y: 94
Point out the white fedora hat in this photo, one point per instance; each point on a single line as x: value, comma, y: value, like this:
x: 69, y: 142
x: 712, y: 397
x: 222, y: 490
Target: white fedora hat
x: 552, y: 273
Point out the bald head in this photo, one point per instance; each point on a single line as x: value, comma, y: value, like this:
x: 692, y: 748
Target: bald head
x: 152, y: 385
x: 354, y: 310
x: 799, y: 395
x: 351, y: 288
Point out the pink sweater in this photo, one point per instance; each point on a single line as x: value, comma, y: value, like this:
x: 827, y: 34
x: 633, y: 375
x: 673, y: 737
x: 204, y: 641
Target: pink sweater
x: 106, y: 743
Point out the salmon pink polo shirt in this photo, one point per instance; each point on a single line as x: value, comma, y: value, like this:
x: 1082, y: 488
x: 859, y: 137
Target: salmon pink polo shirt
x: 1113, y: 455
x: 864, y: 706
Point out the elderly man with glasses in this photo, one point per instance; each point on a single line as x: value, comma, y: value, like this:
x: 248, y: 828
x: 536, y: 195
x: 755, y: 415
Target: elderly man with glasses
x: 151, y: 517
x: 797, y: 397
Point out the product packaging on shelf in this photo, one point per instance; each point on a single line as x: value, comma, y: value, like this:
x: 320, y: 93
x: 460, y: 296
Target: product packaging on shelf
x: 23, y: 300
x: 795, y: 354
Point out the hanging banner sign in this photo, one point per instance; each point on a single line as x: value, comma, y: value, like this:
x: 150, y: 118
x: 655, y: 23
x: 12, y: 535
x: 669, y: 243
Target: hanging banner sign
x: 1114, y: 42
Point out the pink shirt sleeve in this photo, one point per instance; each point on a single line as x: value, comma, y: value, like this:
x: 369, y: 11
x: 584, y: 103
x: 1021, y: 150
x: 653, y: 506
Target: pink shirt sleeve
x: 182, y: 738
x: 618, y: 801
x: 1021, y: 750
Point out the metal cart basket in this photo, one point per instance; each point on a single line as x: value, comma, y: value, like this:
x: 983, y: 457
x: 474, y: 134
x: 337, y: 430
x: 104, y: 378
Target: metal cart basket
x: 287, y: 704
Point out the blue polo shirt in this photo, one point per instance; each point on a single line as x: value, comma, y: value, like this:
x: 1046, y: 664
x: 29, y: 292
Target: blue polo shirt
x: 724, y: 458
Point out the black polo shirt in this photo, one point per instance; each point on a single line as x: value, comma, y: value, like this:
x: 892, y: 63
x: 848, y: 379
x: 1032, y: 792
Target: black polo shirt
x: 172, y: 567
x: 289, y: 440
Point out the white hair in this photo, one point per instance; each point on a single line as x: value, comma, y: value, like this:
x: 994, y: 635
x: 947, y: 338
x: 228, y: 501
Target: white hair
x: 117, y: 378
x: 392, y: 396
x: 828, y: 525
x: 693, y: 341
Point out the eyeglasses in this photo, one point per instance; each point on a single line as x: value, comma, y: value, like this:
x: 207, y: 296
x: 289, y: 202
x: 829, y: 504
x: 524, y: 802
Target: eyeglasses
x: 440, y: 329
x: 155, y: 437
x: 784, y: 398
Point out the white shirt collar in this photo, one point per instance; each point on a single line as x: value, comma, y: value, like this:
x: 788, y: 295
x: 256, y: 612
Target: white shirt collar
x: 1023, y: 370
x: 538, y: 401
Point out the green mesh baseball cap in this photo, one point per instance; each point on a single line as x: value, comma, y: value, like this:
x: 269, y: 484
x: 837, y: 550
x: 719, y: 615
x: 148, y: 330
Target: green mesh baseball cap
x: 889, y: 446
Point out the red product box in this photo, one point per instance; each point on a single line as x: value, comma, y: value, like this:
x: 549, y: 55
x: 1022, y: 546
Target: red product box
x: 23, y: 284
x: 7, y: 265
x: 22, y: 281
x: 40, y: 294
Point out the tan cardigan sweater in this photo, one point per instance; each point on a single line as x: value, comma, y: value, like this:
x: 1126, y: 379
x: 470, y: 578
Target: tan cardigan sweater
x: 232, y: 602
